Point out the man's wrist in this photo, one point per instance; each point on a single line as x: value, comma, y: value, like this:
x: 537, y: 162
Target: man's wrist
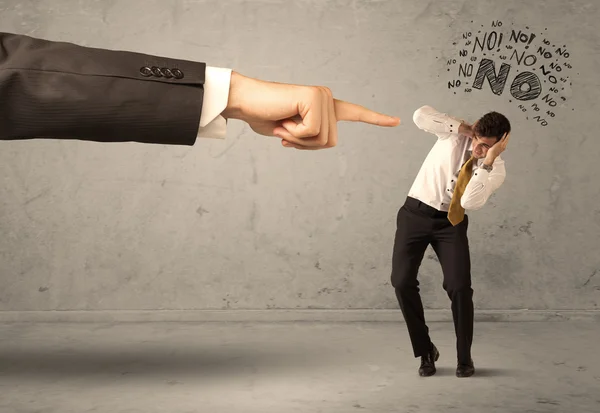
x: 465, y: 129
x: 489, y: 161
x: 234, y: 106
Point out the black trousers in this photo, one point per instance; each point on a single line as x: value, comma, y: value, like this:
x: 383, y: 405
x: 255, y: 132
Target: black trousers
x: 419, y: 225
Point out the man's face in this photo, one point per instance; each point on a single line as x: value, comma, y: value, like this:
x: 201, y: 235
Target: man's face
x: 481, y: 145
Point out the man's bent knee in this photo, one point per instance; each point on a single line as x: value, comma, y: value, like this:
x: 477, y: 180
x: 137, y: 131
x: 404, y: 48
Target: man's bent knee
x: 403, y: 279
x: 459, y: 290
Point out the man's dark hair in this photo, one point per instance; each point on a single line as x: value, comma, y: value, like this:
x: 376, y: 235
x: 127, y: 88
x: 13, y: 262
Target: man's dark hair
x: 492, y: 125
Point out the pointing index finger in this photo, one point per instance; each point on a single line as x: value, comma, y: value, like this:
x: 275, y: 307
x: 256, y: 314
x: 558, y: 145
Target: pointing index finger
x: 345, y: 111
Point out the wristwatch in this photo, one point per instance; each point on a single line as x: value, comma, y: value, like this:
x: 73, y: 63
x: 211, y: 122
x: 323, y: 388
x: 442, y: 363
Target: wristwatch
x: 487, y: 167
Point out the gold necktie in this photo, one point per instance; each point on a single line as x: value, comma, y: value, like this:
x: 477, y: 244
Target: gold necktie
x: 456, y: 213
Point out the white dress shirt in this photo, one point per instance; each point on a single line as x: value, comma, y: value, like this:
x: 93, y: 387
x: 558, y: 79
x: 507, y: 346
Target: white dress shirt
x: 435, y: 182
x: 216, y: 95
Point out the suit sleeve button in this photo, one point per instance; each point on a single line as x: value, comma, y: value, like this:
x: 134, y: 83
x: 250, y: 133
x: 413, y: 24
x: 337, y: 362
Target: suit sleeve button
x: 145, y: 71
x: 177, y: 73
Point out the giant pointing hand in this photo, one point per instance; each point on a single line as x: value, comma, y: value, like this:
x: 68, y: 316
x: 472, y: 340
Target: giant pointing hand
x: 304, y: 117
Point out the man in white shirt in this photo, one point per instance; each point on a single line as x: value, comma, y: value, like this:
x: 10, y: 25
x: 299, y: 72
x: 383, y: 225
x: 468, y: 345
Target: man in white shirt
x: 461, y: 172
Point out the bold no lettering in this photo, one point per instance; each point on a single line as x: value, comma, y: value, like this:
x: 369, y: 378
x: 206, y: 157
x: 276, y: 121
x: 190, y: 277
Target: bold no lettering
x: 487, y: 70
x: 526, y: 86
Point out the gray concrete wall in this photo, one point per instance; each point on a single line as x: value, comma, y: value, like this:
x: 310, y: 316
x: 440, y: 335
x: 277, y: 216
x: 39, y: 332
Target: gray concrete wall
x: 246, y: 224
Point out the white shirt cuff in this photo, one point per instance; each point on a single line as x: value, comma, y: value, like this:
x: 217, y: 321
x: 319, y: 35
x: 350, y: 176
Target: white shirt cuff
x: 216, y: 94
x: 452, y: 124
x: 480, y: 176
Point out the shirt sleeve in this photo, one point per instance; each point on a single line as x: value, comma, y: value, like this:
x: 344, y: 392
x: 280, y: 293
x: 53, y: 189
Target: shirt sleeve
x: 482, y: 185
x: 216, y: 94
x: 430, y: 120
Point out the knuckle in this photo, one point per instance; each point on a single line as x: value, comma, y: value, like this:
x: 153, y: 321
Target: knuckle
x: 310, y: 132
x: 314, y: 92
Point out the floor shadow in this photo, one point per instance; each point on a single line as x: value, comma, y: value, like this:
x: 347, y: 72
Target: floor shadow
x: 479, y: 372
x: 495, y: 372
x: 203, y: 362
x: 445, y: 371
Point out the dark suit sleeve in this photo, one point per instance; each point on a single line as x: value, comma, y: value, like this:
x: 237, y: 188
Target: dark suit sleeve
x: 61, y: 90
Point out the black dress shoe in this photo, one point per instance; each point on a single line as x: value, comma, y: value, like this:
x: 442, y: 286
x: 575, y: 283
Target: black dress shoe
x: 465, y: 370
x: 428, y: 363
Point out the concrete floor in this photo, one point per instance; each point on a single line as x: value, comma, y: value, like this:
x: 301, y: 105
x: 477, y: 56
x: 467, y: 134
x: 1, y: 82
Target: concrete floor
x: 292, y: 367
